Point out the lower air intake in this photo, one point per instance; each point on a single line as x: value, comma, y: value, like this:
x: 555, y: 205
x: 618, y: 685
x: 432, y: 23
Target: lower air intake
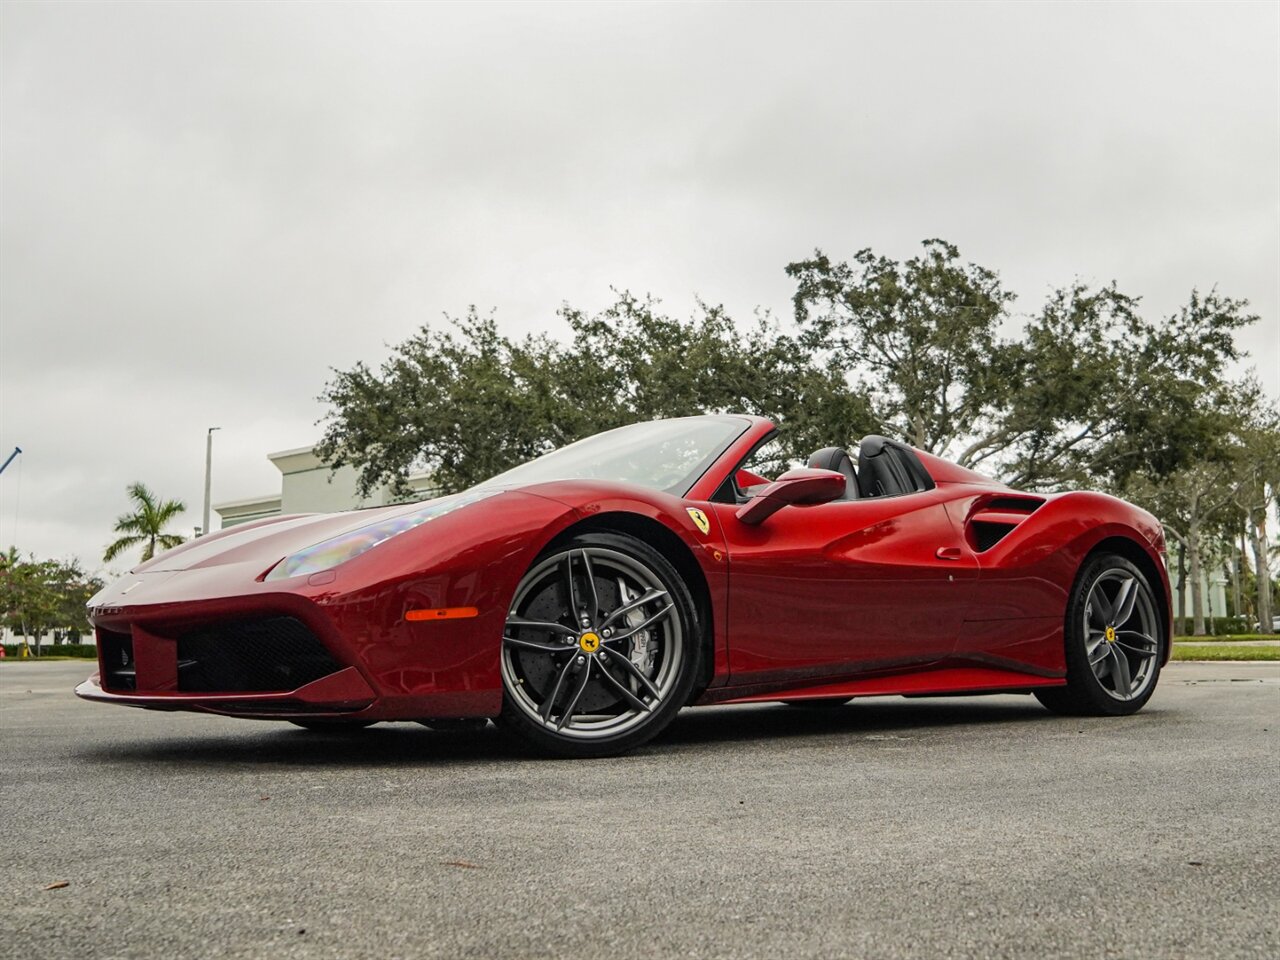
x: 273, y: 654
x: 115, y: 656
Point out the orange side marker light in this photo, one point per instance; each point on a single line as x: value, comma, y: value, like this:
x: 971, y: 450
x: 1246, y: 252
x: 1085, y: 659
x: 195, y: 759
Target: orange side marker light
x: 442, y: 613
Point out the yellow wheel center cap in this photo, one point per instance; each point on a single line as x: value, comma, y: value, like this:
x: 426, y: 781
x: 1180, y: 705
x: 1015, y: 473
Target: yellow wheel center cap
x: 589, y: 642
x: 1110, y: 634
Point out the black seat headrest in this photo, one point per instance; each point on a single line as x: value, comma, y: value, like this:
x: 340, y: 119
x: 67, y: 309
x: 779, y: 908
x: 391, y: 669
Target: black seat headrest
x: 887, y: 468
x: 836, y: 458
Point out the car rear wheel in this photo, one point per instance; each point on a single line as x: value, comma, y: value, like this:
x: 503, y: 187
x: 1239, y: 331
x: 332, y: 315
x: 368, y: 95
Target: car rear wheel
x: 601, y: 647
x: 1115, y: 639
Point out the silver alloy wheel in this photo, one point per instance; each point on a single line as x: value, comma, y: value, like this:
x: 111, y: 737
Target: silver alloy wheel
x: 1121, y: 630
x: 593, y: 643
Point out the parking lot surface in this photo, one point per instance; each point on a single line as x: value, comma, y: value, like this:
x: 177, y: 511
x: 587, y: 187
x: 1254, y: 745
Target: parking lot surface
x: 960, y: 827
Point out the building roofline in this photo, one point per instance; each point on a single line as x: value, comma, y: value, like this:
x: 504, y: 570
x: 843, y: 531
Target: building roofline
x: 274, y: 498
x: 311, y: 448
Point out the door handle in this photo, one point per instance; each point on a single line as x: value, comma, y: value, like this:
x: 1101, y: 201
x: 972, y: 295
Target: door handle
x: 948, y: 553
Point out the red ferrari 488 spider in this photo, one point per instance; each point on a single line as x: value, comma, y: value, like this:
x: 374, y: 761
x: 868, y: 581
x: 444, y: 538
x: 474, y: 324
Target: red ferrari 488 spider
x: 584, y: 598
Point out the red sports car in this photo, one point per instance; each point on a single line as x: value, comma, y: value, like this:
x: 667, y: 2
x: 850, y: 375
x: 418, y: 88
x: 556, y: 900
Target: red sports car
x: 583, y: 598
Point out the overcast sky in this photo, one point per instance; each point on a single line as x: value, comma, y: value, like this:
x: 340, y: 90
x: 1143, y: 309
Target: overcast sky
x: 205, y: 207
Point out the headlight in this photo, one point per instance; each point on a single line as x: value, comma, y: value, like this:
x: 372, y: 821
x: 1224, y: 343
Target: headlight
x: 349, y: 545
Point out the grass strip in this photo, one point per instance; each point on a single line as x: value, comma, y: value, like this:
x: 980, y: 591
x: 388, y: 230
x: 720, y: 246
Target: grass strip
x: 1223, y: 651
x: 1229, y: 638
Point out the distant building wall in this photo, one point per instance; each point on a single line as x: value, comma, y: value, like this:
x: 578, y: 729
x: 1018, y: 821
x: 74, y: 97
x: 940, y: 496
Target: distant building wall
x: 245, y: 511
x: 307, y: 485
x: 1213, y: 586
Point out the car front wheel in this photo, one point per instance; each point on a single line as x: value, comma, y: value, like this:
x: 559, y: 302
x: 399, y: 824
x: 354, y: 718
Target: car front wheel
x: 601, y: 647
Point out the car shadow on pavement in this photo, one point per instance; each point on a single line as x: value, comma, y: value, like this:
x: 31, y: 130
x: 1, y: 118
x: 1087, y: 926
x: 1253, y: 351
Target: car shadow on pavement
x: 867, y: 717
x: 405, y: 744
x: 281, y: 744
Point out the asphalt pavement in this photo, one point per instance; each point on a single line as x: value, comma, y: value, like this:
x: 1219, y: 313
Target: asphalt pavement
x: 961, y: 827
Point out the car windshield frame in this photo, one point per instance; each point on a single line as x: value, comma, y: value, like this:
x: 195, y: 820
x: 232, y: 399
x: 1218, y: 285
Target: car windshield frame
x: 567, y: 462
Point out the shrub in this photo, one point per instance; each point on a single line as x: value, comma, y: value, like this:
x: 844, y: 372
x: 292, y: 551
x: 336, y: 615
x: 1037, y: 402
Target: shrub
x: 54, y: 650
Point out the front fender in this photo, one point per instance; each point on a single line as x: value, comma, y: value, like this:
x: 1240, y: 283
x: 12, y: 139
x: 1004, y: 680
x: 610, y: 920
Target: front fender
x: 683, y: 520
x: 473, y: 558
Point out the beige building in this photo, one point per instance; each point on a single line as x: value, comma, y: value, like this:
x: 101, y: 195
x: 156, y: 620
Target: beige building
x: 308, y: 486
x: 1213, y: 589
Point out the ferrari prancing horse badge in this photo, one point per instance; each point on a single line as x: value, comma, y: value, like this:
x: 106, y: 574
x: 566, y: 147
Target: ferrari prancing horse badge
x: 699, y: 519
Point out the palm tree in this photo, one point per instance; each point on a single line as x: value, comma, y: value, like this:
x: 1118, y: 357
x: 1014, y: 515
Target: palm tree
x: 146, y: 524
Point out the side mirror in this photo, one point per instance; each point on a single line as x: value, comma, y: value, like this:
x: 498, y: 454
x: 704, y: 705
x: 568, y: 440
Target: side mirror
x: 805, y: 486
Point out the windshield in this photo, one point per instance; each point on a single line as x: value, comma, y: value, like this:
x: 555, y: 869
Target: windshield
x: 661, y: 455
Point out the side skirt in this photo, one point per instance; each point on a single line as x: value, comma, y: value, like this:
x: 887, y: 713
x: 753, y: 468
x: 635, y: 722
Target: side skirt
x: 938, y: 682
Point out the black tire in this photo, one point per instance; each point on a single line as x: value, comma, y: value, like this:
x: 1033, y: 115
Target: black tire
x: 825, y: 703
x: 1087, y: 694
x: 676, y: 638
x: 333, y: 726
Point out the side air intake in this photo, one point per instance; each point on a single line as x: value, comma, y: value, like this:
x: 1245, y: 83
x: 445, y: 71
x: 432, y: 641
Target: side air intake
x: 994, y: 518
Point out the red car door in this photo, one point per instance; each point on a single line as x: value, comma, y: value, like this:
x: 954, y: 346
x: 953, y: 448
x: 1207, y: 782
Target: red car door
x: 844, y: 588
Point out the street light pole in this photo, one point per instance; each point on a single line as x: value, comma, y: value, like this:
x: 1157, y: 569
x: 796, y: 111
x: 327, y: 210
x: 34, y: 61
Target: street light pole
x: 208, y: 477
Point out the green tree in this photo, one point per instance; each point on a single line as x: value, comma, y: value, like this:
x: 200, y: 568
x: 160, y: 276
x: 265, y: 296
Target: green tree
x: 145, y: 524
x: 1189, y: 503
x: 1088, y: 392
x: 467, y: 402
x: 1257, y: 486
x: 39, y: 596
x: 919, y: 338
x: 74, y: 588
x: 632, y: 363
x: 1199, y: 503
x: 1104, y: 393
x: 27, y: 600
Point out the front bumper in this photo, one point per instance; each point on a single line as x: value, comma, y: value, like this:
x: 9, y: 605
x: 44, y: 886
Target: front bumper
x: 370, y: 665
x: 343, y: 692
x: 260, y: 663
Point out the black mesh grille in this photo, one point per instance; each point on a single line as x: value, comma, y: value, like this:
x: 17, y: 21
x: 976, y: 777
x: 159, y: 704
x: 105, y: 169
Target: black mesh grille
x: 115, y: 652
x: 272, y: 654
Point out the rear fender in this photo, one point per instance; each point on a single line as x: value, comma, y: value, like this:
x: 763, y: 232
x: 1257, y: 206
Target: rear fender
x: 1031, y: 570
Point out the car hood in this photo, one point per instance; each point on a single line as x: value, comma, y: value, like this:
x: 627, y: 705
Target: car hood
x: 272, y: 539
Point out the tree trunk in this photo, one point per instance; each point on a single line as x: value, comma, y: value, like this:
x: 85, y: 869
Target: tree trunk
x: 1197, y: 578
x: 1180, y: 593
x: 1242, y: 558
x: 1262, y: 565
x: 1233, y: 571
